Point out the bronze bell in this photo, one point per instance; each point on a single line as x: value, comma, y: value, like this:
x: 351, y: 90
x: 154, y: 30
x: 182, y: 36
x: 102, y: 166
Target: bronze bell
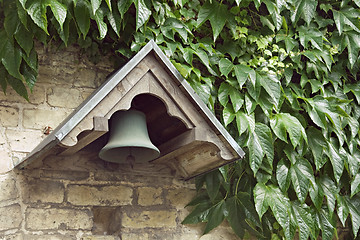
x: 129, y: 139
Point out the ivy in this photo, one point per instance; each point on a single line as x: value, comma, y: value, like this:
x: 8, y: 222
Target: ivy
x: 282, y: 76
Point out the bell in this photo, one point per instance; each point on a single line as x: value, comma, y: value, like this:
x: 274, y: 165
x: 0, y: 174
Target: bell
x: 129, y: 139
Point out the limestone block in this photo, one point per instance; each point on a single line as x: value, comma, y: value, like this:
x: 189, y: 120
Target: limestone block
x: 5, y: 160
x: 54, y: 218
x: 10, y: 217
x: 148, y: 196
x: 153, y: 219
x: 9, y: 116
x: 12, y: 237
x: 64, y: 97
x: 68, y: 175
x: 24, y: 141
x: 7, y: 188
x: 134, y: 236
x: 106, y: 220
x: 179, y: 198
x: 220, y: 233
x: 49, y: 237
x: 55, y: 75
x: 100, y: 237
x: 37, y: 96
x: 85, y: 77
x: 41, y: 118
x: 84, y: 195
x: 43, y: 191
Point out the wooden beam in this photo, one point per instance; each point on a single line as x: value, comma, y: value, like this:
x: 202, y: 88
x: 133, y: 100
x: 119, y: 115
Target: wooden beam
x: 101, y: 126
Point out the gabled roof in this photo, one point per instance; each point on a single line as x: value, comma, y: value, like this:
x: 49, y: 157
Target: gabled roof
x: 65, y: 136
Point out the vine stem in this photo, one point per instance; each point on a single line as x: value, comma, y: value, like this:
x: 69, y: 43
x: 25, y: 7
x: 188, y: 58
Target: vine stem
x: 237, y: 184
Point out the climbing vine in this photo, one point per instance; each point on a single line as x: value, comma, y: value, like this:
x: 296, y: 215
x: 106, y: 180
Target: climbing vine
x: 282, y: 76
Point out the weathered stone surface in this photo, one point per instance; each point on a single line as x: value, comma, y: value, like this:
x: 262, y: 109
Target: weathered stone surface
x: 134, y: 236
x: 23, y: 141
x: 85, y: 77
x: 49, y: 237
x: 5, y: 160
x: 64, y: 97
x: 220, y: 233
x: 59, y: 174
x: 10, y: 217
x: 9, y: 116
x: 106, y: 220
x: 17, y: 236
x: 55, y: 218
x: 100, y: 237
x: 41, y: 118
x: 153, y: 219
x: 8, y: 189
x: 36, y: 97
x: 180, y: 197
x: 148, y: 196
x: 99, y: 195
x: 43, y: 191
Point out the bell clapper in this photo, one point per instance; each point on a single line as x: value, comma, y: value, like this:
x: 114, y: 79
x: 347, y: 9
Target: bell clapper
x: 130, y: 159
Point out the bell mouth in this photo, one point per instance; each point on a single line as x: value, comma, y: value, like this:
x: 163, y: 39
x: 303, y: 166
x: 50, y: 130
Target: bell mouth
x: 129, y: 136
x: 120, y: 154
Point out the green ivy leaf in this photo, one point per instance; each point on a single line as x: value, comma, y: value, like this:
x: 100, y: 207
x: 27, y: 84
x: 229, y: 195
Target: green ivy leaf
x: 37, y: 11
x: 261, y: 199
x: 272, y: 86
x: 346, y: 16
x: 18, y: 86
x: 95, y: 5
x: 59, y: 10
x: 245, y: 122
x: 316, y: 194
x: 143, y: 13
x: 236, y: 215
x: 283, y: 123
x: 225, y: 66
x: 304, y: 219
x: 355, y: 185
x: 242, y: 214
x: 228, y: 115
x: 314, y: 36
x: 305, y: 9
x: 82, y: 16
x: 216, y: 13
x: 337, y: 160
x: 330, y: 191
x: 212, y: 184
x: 24, y: 38
x: 282, y: 175
x: 102, y: 26
x: 237, y: 99
x: 216, y: 216
x: 32, y: 60
x: 123, y: 6
x: 3, y: 78
x: 301, y: 175
x: 271, y: 196
x: 317, y: 144
x: 115, y: 20
x: 243, y: 73
x: 342, y: 209
x: 29, y: 75
x: 353, y: 205
x: 199, y: 214
x: 10, y: 56
x: 326, y: 224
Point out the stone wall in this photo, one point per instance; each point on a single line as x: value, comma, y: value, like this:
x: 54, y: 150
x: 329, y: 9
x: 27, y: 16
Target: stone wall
x: 81, y: 197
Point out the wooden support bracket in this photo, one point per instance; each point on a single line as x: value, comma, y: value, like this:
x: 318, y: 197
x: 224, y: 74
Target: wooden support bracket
x: 101, y: 126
